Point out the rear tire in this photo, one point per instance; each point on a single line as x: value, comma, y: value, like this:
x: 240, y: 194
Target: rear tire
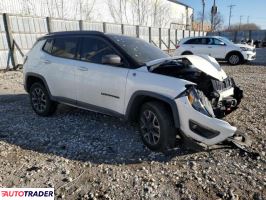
x: 40, y: 100
x: 157, y: 127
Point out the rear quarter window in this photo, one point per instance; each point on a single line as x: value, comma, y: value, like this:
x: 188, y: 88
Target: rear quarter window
x: 48, y: 46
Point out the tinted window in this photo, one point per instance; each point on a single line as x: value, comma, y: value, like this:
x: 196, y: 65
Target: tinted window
x: 138, y: 49
x: 213, y: 41
x: 194, y: 41
x: 93, y: 50
x: 217, y: 42
x: 48, y: 46
x: 65, y: 47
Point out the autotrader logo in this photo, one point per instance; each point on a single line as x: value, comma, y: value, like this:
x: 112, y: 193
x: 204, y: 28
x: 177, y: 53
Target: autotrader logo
x: 27, y: 193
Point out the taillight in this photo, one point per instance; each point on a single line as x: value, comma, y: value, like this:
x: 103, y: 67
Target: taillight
x: 177, y: 46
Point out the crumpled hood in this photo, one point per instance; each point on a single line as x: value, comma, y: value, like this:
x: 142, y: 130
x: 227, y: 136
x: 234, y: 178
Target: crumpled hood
x: 204, y: 63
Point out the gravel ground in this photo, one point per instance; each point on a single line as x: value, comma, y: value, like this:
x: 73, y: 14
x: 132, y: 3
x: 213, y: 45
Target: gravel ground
x: 85, y: 155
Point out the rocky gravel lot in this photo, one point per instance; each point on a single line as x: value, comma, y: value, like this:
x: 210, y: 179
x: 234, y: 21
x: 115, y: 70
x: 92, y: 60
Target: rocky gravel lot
x: 85, y: 155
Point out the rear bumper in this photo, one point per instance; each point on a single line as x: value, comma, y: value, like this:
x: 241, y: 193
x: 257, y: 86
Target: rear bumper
x: 200, y: 127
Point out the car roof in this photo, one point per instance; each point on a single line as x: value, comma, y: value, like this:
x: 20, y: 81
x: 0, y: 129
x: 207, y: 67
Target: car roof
x: 71, y: 33
x: 188, y: 38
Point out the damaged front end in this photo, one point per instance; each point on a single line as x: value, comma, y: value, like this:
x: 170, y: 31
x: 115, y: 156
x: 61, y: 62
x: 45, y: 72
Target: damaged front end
x: 220, y: 90
x: 199, y: 122
x: 200, y: 105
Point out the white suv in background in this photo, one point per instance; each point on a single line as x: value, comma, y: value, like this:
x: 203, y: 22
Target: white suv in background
x: 132, y: 79
x: 218, y: 47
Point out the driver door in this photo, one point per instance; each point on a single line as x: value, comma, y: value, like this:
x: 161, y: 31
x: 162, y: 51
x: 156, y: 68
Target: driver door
x: 215, y: 47
x: 100, y: 85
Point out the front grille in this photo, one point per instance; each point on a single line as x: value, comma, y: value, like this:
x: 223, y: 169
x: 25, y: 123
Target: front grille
x: 223, y: 85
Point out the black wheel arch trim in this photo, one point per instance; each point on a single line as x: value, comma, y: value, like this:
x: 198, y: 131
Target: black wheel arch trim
x: 138, y: 95
x: 234, y: 52
x: 35, y: 75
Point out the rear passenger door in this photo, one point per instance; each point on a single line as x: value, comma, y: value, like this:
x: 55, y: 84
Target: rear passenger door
x: 59, y: 66
x: 100, y: 85
x: 195, y: 46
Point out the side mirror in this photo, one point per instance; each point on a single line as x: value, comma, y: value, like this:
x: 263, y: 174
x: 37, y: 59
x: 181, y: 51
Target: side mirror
x: 111, y: 59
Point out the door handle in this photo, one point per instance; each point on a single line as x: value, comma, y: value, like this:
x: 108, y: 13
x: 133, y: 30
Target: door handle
x: 47, y: 62
x: 209, y: 47
x: 83, y: 68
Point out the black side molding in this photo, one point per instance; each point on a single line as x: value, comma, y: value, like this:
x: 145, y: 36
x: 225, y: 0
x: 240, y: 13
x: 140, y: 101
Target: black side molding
x: 137, y: 97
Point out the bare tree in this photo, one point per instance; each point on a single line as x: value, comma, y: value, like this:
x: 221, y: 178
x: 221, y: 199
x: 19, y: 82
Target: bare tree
x: 84, y: 9
x: 28, y: 8
x: 160, y: 13
x: 140, y: 10
x: 118, y: 10
x: 218, y: 21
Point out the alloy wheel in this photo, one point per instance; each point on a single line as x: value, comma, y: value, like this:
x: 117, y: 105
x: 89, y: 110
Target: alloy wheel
x: 234, y: 59
x: 150, y: 127
x: 38, y: 99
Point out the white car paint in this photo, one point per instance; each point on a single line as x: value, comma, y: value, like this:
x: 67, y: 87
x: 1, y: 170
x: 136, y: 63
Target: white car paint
x: 216, y: 51
x: 83, y: 81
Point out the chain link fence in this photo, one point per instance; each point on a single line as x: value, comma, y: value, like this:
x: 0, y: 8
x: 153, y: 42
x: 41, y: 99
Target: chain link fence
x: 19, y: 33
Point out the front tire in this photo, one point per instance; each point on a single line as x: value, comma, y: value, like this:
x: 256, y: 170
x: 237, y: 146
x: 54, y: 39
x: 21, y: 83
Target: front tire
x: 234, y: 59
x: 40, y: 100
x: 157, y: 127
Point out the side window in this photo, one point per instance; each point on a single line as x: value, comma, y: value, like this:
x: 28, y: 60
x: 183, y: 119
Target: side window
x: 217, y: 42
x: 48, y: 46
x: 65, y: 47
x: 194, y: 41
x: 93, y: 49
x: 209, y: 41
x: 191, y: 41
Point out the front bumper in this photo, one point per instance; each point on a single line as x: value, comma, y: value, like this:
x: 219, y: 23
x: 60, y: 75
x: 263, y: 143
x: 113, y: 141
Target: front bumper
x: 228, y: 96
x: 249, y: 55
x: 200, y: 127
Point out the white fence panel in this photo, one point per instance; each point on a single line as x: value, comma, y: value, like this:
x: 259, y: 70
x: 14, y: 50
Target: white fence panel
x: 113, y: 28
x: 93, y: 26
x: 130, y: 30
x: 155, y: 36
x: 64, y: 25
x: 144, y: 33
x: 164, y: 38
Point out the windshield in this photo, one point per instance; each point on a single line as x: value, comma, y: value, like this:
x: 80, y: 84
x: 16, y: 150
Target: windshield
x: 138, y: 49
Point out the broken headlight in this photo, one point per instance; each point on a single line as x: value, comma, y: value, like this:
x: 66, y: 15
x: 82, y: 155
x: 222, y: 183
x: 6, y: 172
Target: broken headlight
x: 199, y: 102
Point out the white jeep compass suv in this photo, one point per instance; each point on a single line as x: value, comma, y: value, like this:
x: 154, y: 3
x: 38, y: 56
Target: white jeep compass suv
x: 217, y: 47
x: 132, y: 79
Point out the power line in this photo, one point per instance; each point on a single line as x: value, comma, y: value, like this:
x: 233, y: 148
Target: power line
x: 230, y: 15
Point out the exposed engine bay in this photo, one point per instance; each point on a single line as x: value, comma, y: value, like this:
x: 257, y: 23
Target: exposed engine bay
x: 223, y: 95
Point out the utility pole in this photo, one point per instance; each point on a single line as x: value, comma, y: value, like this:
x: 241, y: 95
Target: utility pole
x: 240, y: 21
x: 230, y: 15
x: 213, y: 13
x: 247, y: 19
x: 203, y: 14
